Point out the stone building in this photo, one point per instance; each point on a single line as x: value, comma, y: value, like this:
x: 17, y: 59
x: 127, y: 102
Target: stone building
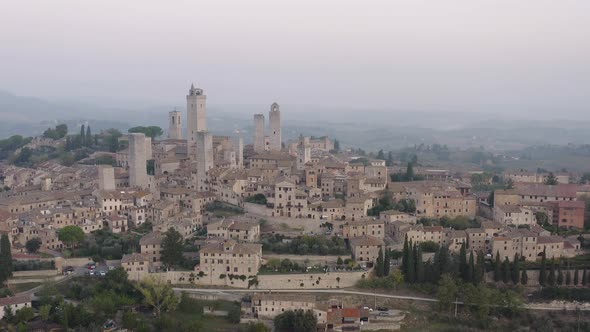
x: 15, y: 303
x: 366, y: 248
x: 514, y: 215
x: 234, y: 228
x: 269, y: 306
x: 150, y: 246
x: 136, y: 265
x: 224, y: 257
x: 568, y: 214
x: 106, y: 178
x: 352, y: 229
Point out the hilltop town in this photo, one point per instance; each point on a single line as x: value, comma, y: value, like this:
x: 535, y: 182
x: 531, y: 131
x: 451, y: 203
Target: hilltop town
x: 282, y: 226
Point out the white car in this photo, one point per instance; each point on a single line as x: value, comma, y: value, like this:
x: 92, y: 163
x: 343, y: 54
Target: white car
x: 102, y: 273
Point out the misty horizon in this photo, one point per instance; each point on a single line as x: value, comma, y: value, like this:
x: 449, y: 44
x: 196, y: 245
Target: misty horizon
x: 502, y: 57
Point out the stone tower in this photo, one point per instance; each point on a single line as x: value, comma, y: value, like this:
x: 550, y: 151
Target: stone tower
x: 274, y: 118
x: 259, y: 133
x: 239, y: 149
x: 106, y: 178
x: 303, y: 153
x: 196, y: 117
x: 137, y: 161
x: 204, y: 158
x: 175, y: 125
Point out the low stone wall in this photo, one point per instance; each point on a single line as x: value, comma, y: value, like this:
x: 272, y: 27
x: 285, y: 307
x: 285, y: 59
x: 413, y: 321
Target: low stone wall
x: 276, y: 281
x: 255, y: 208
x: 35, y: 273
x: 310, y: 281
x: 313, y: 259
x: 533, y: 277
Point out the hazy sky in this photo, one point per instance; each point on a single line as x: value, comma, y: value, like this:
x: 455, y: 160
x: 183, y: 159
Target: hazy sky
x: 425, y: 54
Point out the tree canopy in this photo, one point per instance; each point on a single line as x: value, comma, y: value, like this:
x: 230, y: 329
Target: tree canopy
x: 172, y: 247
x: 5, y: 259
x: 296, y: 321
x: 60, y: 131
x: 150, y: 131
x: 71, y: 235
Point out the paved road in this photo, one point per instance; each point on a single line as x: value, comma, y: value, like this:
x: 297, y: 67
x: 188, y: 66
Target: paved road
x: 345, y: 292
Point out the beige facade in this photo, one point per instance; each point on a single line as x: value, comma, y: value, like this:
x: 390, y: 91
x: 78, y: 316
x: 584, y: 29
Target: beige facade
x: 150, y: 246
x: 366, y: 248
x: 271, y: 305
x: 236, y: 229
x: 136, y: 265
x: 222, y: 258
x: 375, y: 228
x: 514, y: 215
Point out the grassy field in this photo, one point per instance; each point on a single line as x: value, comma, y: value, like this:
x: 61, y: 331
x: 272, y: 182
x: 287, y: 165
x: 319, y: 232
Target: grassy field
x: 18, y: 288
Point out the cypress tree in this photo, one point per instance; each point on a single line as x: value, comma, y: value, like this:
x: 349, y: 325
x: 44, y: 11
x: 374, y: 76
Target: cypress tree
x: 471, y: 269
x: 524, y: 278
x: 551, y: 277
x: 480, y: 268
x: 463, y: 266
x: 88, y: 136
x: 411, y: 277
x: 404, y: 266
x: 419, y: 265
x: 543, y: 271
x: 559, y: 275
x: 497, y: 272
x: 5, y: 259
x: 386, y: 263
x: 515, y: 270
x: 568, y: 275
x: 435, y: 275
x: 576, y: 278
x: 379, y: 264
x: 584, y: 278
x: 506, y: 271
x: 82, y: 136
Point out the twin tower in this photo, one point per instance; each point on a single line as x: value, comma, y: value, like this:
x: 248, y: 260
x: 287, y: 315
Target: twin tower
x: 196, y: 105
x: 272, y: 142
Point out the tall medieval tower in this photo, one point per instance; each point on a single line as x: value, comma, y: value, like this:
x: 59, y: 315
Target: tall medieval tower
x: 274, y: 117
x: 259, y: 133
x: 196, y: 117
x: 175, y: 125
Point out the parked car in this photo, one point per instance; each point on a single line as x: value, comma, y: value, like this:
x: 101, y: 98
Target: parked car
x: 111, y: 267
x: 102, y: 273
x: 382, y: 309
x: 90, y: 272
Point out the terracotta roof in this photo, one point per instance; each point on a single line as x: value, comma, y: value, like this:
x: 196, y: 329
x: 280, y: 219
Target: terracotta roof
x: 549, y: 239
x: 151, y: 238
x: 366, y: 240
x: 12, y: 300
x: 538, y: 189
x: 232, y: 247
x: 135, y: 257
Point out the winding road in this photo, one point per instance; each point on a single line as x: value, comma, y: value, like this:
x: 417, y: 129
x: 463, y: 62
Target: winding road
x: 539, y: 306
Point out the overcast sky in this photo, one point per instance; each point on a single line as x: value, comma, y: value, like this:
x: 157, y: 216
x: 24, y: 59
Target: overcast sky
x: 509, y: 54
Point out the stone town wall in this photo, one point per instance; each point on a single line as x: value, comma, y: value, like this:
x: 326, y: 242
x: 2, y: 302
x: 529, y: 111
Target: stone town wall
x: 277, y: 281
x: 309, y: 281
